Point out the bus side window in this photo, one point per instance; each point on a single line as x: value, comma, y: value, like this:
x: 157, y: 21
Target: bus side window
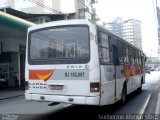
x: 104, y: 50
x: 127, y: 54
x: 115, y: 55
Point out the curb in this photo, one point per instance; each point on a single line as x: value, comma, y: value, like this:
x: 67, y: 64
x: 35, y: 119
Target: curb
x: 158, y: 105
x: 10, y: 97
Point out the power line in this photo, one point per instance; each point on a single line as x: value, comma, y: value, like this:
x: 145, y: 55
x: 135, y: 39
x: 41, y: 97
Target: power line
x: 44, y: 6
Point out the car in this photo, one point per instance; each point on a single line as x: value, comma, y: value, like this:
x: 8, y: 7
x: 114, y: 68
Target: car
x: 157, y: 69
x: 3, y: 83
x: 147, y: 70
x: 152, y: 69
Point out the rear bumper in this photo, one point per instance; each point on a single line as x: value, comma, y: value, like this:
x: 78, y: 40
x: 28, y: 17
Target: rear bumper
x: 83, y: 100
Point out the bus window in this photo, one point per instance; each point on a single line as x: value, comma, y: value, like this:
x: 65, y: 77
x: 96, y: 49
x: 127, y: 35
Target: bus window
x: 127, y: 54
x: 59, y: 45
x: 104, y: 48
x: 51, y: 49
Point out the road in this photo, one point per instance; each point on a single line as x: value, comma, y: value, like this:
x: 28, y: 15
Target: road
x: 20, y: 109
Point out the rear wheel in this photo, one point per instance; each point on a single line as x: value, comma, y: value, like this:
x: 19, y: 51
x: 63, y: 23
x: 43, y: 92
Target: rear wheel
x: 140, y: 88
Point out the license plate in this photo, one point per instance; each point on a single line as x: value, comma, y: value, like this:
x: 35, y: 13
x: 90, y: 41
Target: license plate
x: 56, y: 87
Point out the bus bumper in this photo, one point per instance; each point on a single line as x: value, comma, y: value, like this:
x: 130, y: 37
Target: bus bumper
x: 83, y: 100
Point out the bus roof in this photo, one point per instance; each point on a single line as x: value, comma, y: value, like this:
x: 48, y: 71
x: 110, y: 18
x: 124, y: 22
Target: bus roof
x: 60, y: 22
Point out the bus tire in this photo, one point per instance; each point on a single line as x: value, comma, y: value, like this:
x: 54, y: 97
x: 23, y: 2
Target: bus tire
x: 140, y: 88
x: 124, y: 95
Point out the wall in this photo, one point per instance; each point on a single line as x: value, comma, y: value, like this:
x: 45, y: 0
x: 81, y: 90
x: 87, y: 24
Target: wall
x: 10, y: 45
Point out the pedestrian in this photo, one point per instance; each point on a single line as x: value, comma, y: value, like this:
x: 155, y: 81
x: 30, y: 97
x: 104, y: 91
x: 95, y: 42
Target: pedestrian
x: 16, y: 79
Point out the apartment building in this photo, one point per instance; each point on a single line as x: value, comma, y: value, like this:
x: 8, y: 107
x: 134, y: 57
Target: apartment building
x: 116, y: 26
x: 130, y: 30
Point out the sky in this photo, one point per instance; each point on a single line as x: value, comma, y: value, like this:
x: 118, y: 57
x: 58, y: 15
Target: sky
x: 143, y: 10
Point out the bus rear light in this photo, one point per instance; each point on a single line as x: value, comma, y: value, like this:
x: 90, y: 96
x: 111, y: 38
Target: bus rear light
x: 94, y: 87
x: 26, y: 85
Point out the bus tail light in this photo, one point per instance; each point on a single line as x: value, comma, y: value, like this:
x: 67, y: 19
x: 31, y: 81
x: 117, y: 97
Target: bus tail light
x: 26, y: 85
x: 94, y: 87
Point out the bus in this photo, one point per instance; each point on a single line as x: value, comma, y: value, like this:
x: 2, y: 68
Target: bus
x: 80, y: 62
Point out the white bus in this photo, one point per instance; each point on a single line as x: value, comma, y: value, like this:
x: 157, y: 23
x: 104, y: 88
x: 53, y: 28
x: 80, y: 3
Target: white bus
x: 80, y: 62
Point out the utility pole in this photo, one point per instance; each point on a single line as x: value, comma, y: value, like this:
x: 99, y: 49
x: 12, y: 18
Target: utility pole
x: 158, y: 19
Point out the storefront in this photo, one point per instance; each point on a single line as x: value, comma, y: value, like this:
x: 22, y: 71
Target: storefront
x: 12, y: 48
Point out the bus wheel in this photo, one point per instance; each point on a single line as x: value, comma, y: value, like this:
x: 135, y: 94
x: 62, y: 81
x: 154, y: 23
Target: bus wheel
x: 124, y: 95
x: 140, y: 88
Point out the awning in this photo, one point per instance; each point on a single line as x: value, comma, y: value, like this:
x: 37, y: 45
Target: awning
x: 14, y: 22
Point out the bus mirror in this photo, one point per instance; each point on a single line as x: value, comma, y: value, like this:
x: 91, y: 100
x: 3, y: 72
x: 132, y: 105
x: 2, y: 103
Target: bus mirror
x: 145, y: 59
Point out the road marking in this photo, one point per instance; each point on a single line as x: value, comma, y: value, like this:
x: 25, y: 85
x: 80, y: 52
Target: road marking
x: 158, y: 105
x: 144, y: 106
x: 10, y: 97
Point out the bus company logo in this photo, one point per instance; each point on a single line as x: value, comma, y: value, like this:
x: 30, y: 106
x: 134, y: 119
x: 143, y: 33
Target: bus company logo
x: 40, y: 74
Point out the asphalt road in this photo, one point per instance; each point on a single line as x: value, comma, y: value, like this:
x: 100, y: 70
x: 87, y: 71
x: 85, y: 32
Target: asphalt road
x: 20, y: 109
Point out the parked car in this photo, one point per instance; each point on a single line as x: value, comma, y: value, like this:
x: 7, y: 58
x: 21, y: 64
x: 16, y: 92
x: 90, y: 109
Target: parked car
x: 157, y: 69
x: 152, y: 69
x: 147, y: 70
x: 3, y: 83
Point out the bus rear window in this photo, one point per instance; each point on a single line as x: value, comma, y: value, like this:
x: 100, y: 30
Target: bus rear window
x: 67, y: 44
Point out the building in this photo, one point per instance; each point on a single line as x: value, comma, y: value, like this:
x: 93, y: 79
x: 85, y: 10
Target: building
x: 153, y: 62
x: 84, y: 9
x: 116, y: 26
x: 34, y: 6
x: 13, y: 32
x: 132, y: 32
x: 12, y: 47
x: 76, y: 9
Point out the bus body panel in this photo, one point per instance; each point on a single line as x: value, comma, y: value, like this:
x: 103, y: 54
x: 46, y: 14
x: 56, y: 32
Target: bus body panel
x: 69, y: 87
x: 84, y: 100
x: 107, y: 84
x: 112, y: 80
x: 74, y: 78
x: 134, y: 83
x: 71, y: 79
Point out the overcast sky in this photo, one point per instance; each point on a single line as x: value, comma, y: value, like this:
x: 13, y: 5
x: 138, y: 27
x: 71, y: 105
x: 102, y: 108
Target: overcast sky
x: 142, y: 10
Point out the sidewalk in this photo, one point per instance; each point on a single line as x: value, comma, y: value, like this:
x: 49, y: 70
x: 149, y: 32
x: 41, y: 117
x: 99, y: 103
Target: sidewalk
x: 11, y: 93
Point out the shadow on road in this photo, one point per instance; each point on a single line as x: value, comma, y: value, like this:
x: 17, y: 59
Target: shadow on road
x: 84, y: 112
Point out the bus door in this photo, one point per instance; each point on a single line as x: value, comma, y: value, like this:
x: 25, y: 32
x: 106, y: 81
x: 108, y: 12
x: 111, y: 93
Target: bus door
x: 116, y: 63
